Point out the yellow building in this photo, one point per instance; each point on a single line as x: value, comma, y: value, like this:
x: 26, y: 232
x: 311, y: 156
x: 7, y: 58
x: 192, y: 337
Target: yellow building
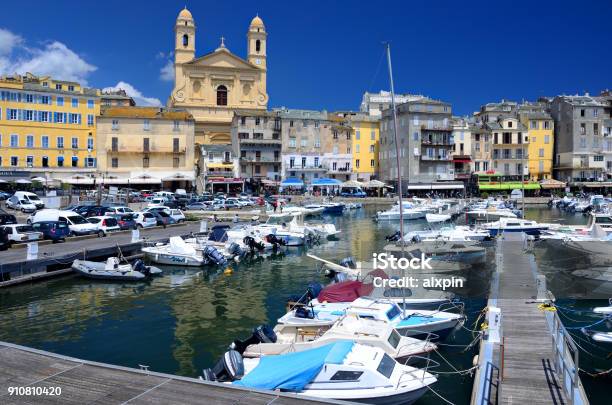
x: 47, y: 128
x: 146, y: 147
x: 366, y: 137
x: 540, y: 129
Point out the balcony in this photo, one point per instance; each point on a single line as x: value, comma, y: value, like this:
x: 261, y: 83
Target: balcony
x: 127, y: 148
x: 339, y: 170
x: 263, y: 159
x: 306, y: 168
x: 439, y: 158
x: 260, y: 141
x: 437, y: 127
x: 220, y: 173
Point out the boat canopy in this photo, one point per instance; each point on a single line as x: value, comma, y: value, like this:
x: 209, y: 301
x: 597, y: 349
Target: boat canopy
x: 292, y: 182
x: 346, y: 291
x: 293, y: 371
x: 179, y: 246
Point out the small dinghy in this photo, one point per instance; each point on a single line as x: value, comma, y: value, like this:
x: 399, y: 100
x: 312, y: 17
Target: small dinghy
x: 435, y: 218
x: 602, y: 337
x: 112, y: 269
x: 603, y: 310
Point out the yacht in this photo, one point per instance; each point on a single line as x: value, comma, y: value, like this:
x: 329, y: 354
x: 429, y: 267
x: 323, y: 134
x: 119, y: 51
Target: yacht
x: 179, y: 252
x: 505, y: 225
x: 441, y: 252
x: 287, y: 338
x: 410, y: 211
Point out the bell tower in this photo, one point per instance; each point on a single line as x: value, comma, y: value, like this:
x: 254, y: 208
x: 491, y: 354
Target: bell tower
x: 257, y: 45
x: 184, y: 45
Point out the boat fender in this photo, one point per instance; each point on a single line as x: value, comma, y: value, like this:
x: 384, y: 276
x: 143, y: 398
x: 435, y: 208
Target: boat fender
x: 230, y: 367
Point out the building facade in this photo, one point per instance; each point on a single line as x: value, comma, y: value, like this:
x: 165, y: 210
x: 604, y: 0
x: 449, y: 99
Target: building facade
x: 338, y: 149
x: 579, y: 138
x: 256, y: 139
x: 510, y: 144
x: 211, y: 87
x: 540, y: 130
x: 375, y: 103
x: 481, y: 148
x: 47, y: 127
x: 146, y: 146
x: 118, y: 98
x: 365, y: 145
x: 426, y: 140
x: 462, y: 148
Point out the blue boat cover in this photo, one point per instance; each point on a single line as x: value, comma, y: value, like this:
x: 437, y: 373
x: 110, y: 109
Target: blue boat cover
x: 414, y: 320
x: 293, y: 371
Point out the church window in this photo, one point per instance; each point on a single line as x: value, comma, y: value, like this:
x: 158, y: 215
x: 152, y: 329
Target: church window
x: 258, y: 46
x: 185, y: 40
x: 221, y: 95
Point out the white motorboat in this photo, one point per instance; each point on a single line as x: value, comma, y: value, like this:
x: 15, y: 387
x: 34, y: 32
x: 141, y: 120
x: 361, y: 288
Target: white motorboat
x: 506, y: 225
x: 488, y: 214
x: 325, y: 230
x: 179, y: 252
x: 436, y: 218
x: 415, y: 323
x: 343, y: 371
x: 602, y: 337
x: 277, y: 224
x: 410, y: 211
x: 603, y: 310
x: 112, y: 269
x: 440, y: 251
x: 285, y: 339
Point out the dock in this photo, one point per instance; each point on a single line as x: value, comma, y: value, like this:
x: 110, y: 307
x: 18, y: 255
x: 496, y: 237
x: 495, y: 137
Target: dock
x: 87, y: 382
x: 530, y: 358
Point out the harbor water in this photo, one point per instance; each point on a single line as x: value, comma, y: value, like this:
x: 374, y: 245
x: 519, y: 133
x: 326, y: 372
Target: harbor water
x: 183, y: 321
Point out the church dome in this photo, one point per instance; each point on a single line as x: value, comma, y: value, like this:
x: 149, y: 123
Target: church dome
x: 185, y: 14
x: 257, y: 22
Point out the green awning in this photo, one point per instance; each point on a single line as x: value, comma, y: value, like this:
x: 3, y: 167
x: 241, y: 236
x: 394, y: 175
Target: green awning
x: 509, y: 185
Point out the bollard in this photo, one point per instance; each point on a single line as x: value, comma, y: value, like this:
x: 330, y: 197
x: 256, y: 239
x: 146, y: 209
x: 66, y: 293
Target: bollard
x: 494, y: 321
x: 135, y: 235
x: 32, y: 252
x: 203, y: 226
x: 235, y: 220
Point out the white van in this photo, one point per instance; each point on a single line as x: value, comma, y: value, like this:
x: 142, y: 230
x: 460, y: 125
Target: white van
x: 78, y: 224
x: 31, y: 198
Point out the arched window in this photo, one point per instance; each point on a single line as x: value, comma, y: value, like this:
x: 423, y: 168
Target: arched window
x: 257, y: 46
x: 185, y: 40
x: 221, y: 95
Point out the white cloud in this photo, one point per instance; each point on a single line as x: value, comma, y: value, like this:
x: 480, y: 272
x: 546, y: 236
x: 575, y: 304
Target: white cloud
x: 135, y: 94
x: 54, y: 59
x: 167, y: 72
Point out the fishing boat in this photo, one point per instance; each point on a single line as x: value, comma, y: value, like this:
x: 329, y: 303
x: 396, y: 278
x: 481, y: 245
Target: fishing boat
x: 437, y: 218
x: 179, y: 252
x: 415, y: 323
x: 286, y: 339
x: 506, y: 225
x: 342, y: 370
x: 112, y: 269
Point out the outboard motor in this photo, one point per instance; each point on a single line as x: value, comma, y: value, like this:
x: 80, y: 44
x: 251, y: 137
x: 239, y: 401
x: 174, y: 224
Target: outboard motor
x: 313, y: 290
x: 235, y: 250
x: 348, y: 262
x: 261, y: 334
x: 304, y: 313
x: 274, y: 240
x: 214, y: 256
x: 415, y: 239
x: 393, y: 237
x: 140, y: 267
x: 229, y: 368
x: 253, y: 244
x: 340, y: 277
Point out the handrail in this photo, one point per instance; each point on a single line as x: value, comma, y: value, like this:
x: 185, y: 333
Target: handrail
x: 489, y: 383
x: 566, y: 357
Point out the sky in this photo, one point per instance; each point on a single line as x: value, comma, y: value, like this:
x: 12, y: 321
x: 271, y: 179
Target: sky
x: 326, y: 54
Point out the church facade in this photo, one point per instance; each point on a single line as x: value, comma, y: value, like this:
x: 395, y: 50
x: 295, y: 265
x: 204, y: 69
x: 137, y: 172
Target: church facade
x: 211, y: 87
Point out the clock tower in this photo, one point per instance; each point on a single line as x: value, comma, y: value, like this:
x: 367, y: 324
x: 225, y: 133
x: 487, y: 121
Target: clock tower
x: 256, y: 46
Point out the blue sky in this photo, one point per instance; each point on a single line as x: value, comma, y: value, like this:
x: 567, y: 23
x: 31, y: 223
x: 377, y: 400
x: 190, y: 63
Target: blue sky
x: 324, y: 55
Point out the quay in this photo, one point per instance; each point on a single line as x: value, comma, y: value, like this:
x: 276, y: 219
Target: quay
x: 87, y: 382
x: 527, y: 356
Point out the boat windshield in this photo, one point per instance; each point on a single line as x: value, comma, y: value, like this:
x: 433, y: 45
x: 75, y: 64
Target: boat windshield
x: 603, y: 220
x: 393, y: 312
x: 278, y: 220
x: 386, y: 366
x: 394, y: 338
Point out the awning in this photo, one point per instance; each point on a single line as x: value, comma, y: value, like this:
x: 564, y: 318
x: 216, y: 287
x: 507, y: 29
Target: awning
x: 375, y: 184
x: 419, y: 186
x: 78, y: 180
x: 144, y: 180
x: 326, y: 182
x: 268, y: 182
x: 220, y: 165
x: 352, y: 183
x: 23, y: 181
x: 442, y: 186
x: 179, y: 177
x: 551, y: 184
x: 292, y: 182
x: 117, y: 180
x: 461, y: 160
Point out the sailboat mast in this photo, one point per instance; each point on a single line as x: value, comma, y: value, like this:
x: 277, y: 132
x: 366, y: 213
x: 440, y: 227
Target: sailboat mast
x: 397, y: 147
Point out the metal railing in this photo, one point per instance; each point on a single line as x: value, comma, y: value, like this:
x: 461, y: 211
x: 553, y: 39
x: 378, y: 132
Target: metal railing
x: 566, y: 357
x: 488, y: 395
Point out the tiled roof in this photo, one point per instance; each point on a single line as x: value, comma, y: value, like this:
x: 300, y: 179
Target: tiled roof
x: 145, y: 112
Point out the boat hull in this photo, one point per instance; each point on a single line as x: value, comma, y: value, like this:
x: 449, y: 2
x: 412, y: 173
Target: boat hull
x: 528, y: 231
x: 84, y: 269
x: 173, y: 259
x: 440, y: 329
x: 403, y: 398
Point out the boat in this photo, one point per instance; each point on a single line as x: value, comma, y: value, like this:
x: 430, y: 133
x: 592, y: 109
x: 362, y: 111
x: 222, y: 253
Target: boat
x: 179, y: 252
x: 112, y: 269
x: 278, y: 225
x: 505, y: 225
x: 602, y: 337
x: 441, y: 252
x: 342, y: 371
x: 323, y: 231
x: 603, y: 310
x: 415, y: 323
x: 333, y: 208
x: 436, y: 218
x: 285, y: 339
x: 410, y: 212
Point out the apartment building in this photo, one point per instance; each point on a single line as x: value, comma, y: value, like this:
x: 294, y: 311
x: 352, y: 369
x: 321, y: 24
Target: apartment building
x: 540, y: 130
x: 256, y: 139
x: 481, y: 148
x: 374, y: 104
x: 146, y: 145
x: 510, y: 144
x: 462, y: 148
x: 426, y: 141
x: 365, y: 144
x: 47, y: 128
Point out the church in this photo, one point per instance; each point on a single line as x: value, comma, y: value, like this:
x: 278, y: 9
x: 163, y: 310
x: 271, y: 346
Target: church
x: 211, y: 87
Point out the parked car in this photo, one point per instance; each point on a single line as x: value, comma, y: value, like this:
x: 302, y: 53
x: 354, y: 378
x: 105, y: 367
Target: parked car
x: 119, y: 210
x: 96, y: 211
x: 198, y: 206
x: 52, y: 230
x: 4, y: 241
x: 231, y: 204
x: 236, y: 201
x: 145, y: 219
x: 77, y: 223
x: 22, y: 205
x: 104, y: 224
x: 6, y: 218
x: 4, y: 195
x: 125, y: 221
x: 31, y: 198
x: 157, y: 202
x: 163, y: 218
x: 19, y: 233
x: 177, y: 215
x: 358, y: 193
